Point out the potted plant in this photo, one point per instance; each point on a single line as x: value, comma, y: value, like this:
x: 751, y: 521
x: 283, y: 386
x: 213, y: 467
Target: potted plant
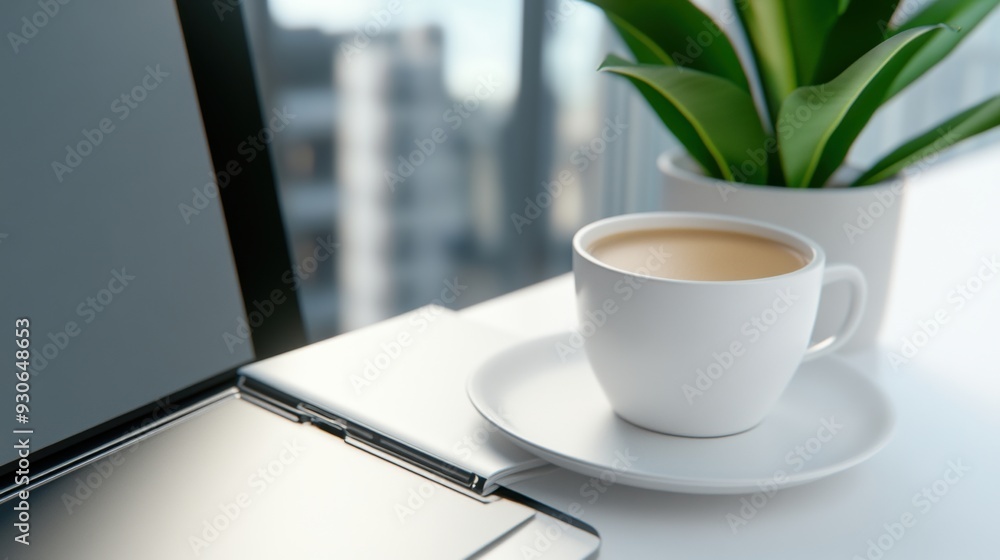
x: 822, y: 68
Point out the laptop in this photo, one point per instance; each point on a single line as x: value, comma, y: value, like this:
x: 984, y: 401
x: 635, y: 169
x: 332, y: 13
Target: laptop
x: 153, y: 323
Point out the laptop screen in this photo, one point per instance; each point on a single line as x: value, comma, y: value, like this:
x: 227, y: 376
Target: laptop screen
x: 115, y: 261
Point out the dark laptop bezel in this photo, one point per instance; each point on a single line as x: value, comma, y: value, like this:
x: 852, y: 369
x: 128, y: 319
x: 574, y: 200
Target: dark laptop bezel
x: 219, y: 55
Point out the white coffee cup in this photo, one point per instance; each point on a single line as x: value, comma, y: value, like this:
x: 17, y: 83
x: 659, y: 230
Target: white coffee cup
x: 677, y: 356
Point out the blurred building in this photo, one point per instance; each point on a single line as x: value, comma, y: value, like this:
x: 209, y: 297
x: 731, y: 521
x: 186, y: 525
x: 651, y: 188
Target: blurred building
x: 415, y: 216
x: 382, y: 161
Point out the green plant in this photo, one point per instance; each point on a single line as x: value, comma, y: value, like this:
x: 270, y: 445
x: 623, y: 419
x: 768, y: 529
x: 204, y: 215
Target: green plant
x: 823, y: 68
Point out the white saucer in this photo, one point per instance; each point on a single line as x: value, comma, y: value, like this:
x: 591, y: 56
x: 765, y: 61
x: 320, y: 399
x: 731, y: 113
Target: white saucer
x: 553, y: 407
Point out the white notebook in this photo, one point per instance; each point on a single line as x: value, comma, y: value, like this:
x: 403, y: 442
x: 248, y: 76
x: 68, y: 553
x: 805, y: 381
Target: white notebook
x: 404, y: 379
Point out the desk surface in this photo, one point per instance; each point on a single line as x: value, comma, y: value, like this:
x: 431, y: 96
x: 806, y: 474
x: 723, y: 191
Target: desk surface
x: 947, y: 398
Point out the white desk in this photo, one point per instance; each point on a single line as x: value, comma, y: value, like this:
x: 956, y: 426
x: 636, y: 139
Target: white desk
x: 947, y: 399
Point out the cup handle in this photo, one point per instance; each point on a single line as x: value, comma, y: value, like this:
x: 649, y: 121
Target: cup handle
x: 859, y: 295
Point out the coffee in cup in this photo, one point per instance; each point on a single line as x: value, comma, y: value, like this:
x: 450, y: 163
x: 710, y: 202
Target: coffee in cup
x: 699, y: 254
x: 704, y: 318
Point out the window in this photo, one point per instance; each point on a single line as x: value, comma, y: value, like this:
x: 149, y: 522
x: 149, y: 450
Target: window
x: 446, y: 152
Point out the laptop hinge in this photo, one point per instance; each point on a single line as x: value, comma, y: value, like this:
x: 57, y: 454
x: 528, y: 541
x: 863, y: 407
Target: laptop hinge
x: 368, y: 440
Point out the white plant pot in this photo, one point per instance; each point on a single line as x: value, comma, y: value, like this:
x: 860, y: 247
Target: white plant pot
x: 853, y: 225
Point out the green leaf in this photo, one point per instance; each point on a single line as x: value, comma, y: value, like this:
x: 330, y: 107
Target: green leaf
x: 942, y: 136
x: 644, y: 49
x: 685, y: 34
x: 961, y: 15
x: 786, y: 37
x: 712, y: 117
x: 818, y: 124
x: 861, y: 26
